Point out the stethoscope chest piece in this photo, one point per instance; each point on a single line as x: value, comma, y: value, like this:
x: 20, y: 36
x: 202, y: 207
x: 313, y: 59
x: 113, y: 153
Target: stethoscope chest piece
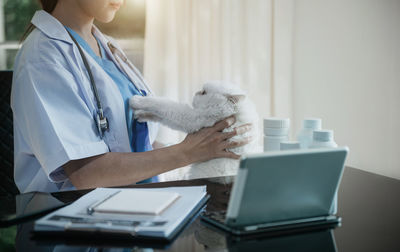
x: 102, y: 124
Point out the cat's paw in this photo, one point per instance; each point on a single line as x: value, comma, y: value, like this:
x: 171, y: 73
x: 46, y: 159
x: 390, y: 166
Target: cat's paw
x: 145, y: 116
x: 138, y: 102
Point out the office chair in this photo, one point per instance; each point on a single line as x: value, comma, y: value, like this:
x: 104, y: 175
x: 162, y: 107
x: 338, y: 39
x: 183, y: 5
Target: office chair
x: 7, y: 185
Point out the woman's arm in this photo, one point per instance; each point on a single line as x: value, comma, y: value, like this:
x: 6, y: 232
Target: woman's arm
x: 158, y: 145
x: 116, y: 169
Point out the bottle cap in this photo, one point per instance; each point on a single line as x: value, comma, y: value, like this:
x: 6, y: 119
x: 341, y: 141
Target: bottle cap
x: 276, y: 122
x: 290, y: 145
x: 312, y: 123
x: 323, y: 135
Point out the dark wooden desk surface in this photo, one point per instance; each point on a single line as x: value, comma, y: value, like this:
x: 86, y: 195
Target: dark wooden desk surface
x: 368, y: 203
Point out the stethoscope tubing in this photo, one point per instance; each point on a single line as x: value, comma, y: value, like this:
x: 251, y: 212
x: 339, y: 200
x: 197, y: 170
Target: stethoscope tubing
x: 100, y: 119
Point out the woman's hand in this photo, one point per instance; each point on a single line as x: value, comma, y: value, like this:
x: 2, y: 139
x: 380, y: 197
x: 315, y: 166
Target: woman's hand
x: 211, y: 142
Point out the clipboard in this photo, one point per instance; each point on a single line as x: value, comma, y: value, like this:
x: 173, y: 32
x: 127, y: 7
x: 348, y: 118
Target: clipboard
x: 74, y: 219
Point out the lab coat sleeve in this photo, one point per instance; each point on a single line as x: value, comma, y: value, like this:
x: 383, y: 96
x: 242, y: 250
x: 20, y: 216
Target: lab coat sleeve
x: 56, y: 123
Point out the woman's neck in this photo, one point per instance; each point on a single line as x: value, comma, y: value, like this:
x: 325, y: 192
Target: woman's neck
x: 71, y: 15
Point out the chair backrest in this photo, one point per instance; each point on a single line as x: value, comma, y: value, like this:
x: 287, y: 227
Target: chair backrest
x: 7, y: 185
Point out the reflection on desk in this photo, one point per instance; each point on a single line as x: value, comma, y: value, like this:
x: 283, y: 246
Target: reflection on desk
x: 312, y: 241
x: 196, y: 237
x: 368, y: 204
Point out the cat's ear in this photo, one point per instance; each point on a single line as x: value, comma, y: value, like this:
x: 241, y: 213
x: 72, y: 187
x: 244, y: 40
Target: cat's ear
x: 235, y: 99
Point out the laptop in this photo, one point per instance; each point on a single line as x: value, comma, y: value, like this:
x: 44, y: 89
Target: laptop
x: 284, y: 190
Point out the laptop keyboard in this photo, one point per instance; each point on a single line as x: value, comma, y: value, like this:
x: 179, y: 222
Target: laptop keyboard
x: 218, y: 216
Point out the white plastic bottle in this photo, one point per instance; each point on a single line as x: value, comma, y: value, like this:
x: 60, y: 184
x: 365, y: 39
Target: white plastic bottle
x: 323, y: 139
x: 290, y: 145
x: 305, y: 136
x: 276, y: 130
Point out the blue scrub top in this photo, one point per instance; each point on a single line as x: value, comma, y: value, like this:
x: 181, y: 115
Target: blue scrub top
x: 137, y: 131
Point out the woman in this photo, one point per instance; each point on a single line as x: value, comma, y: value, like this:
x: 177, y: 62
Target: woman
x: 58, y: 145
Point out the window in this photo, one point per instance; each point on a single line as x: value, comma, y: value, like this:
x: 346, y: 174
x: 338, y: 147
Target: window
x: 15, y: 16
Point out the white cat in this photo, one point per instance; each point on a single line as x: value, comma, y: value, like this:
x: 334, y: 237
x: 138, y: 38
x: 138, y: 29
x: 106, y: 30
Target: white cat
x: 216, y: 101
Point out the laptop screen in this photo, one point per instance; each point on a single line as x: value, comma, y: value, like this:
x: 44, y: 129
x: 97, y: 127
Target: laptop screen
x: 285, y: 185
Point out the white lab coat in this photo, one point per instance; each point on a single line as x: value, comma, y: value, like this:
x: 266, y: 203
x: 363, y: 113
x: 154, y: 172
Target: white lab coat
x: 54, y: 107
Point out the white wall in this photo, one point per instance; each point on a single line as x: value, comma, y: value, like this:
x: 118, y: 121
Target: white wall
x: 346, y: 70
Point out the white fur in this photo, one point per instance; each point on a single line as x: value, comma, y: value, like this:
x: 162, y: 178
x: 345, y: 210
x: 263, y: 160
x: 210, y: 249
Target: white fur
x: 220, y: 100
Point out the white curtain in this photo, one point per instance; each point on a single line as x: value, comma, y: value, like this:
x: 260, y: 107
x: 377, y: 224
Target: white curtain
x: 188, y: 42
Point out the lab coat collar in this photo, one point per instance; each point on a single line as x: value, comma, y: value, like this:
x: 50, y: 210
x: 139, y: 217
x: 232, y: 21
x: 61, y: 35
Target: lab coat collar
x: 50, y: 26
x: 53, y: 29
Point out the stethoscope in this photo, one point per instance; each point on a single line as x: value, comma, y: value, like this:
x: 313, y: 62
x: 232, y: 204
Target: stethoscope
x: 100, y: 119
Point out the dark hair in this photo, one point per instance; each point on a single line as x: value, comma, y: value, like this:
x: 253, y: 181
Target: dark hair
x: 48, y: 6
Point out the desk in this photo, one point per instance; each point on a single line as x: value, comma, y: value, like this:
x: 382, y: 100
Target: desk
x: 368, y: 203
